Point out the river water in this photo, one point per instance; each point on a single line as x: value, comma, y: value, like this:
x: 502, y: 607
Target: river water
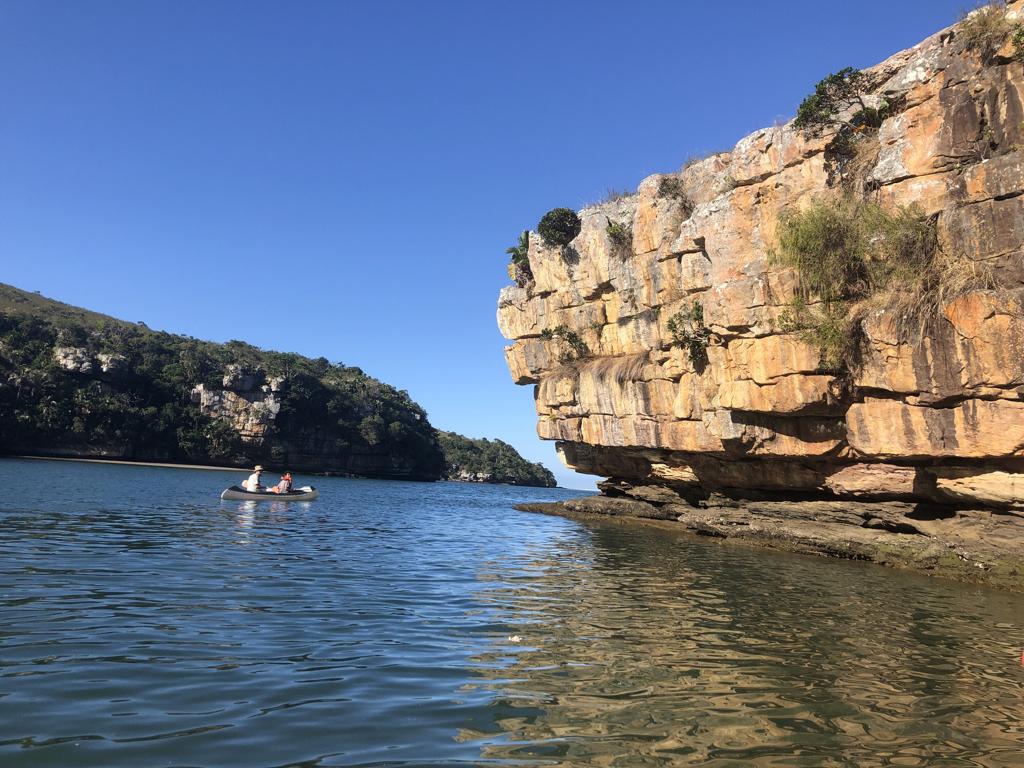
x: 144, y: 622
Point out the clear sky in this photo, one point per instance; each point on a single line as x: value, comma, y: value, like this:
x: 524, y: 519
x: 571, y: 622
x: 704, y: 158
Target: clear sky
x: 342, y: 178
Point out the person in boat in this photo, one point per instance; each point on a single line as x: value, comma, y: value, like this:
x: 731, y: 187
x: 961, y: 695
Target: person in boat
x: 253, y: 483
x: 285, y: 486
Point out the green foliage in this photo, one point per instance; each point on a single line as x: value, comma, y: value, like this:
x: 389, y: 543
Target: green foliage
x: 574, y: 346
x: 986, y: 28
x: 143, y: 409
x: 826, y: 244
x: 850, y: 248
x: 559, y: 226
x: 672, y: 188
x: 847, y: 251
x: 827, y: 328
x: 832, y: 97
x: 621, y: 234
x: 520, y: 269
x: 497, y: 461
x: 1018, y: 41
x: 688, y: 330
x: 519, y: 253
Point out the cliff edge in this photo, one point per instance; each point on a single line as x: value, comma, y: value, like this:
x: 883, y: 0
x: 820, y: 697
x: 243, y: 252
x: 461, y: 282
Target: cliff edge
x: 683, y: 346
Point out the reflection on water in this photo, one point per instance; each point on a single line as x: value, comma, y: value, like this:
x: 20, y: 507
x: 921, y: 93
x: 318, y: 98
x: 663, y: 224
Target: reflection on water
x: 143, y: 622
x: 645, y: 651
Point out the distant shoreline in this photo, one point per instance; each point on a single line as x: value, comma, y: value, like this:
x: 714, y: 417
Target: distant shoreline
x: 166, y: 465
x: 129, y: 463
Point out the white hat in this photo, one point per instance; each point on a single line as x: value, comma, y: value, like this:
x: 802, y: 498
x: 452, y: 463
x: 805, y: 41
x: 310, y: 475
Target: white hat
x: 259, y: 468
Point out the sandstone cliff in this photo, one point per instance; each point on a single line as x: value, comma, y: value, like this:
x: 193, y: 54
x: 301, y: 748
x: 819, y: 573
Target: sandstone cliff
x: 928, y: 426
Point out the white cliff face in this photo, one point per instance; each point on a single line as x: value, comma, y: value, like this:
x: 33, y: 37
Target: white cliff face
x: 73, y: 359
x: 79, y: 360
x: 938, y: 418
x: 251, y: 412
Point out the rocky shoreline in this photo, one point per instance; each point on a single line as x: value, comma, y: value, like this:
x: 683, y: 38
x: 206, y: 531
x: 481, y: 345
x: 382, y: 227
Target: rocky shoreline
x: 973, y: 546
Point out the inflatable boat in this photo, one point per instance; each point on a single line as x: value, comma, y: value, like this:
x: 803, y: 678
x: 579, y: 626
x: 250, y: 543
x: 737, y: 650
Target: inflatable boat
x: 238, y: 493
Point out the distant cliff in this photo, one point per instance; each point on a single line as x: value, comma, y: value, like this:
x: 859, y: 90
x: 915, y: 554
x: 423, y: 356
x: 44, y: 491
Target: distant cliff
x: 490, y: 461
x: 77, y: 383
x: 832, y: 311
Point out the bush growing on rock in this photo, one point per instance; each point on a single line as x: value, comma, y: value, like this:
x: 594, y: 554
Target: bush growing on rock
x: 576, y: 348
x: 832, y: 99
x: 841, y: 102
x: 519, y: 252
x: 1018, y: 41
x: 621, y: 235
x: 519, y: 267
x: 559, y: 226
x: 672, y: 188
x: 688, y: 330
x: 986, y: 28
x: 848, y: 253
x: 848, y: 249
x: 612, y: 195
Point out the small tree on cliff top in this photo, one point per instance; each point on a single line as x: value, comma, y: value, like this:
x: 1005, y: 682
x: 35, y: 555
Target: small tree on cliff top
x: 559, y: 226
x: 832, y: 97
x: 519, y: 269
x: 520, y: 251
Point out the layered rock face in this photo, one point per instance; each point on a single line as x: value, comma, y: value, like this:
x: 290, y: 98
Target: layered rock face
x: 932, y: 416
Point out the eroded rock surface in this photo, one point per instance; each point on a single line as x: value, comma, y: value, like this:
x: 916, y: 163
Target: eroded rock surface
x: 934, y: 414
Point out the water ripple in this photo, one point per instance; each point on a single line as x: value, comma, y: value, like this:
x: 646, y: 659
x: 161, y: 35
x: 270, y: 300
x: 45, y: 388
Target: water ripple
x: 412, y: 625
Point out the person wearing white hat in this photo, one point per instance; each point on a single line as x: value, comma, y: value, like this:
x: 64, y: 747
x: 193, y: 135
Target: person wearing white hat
x: 253, y: 483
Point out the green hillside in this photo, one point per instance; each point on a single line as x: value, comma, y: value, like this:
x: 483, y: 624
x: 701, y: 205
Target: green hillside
x: 490, y: 461
x: 79, y: 383
x: 74, y: 382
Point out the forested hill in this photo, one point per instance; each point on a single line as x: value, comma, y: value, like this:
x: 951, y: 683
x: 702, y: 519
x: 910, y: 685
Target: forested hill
x: 490, y: 461
x: 79, y: 383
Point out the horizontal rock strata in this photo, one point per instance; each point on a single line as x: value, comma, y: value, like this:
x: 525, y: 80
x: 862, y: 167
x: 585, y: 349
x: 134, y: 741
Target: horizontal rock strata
x: 933, y: 414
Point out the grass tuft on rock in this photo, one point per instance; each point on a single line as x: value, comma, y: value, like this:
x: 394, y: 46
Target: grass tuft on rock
x: 850, y: 254
x: 673, y: 188
x: 986, y: 28
x: 621, y: 235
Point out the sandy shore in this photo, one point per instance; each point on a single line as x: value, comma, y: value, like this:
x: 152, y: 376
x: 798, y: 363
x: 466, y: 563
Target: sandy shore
x: 132, y: 463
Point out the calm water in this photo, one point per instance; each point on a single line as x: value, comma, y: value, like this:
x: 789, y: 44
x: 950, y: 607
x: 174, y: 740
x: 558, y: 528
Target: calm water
x: 143, y: 622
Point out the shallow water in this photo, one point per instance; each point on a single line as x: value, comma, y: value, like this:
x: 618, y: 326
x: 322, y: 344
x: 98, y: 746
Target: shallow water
x: 144, y: 622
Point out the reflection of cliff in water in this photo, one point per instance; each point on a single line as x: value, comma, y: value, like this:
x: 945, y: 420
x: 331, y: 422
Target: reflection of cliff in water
x: 649, y: 650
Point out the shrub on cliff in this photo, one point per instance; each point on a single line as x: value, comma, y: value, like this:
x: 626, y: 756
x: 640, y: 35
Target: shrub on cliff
x: 672, y: 188
x: 519, y: 266
x: 847, y: 252
x: 572, y: 345
x: 621, y: 235
x: 849, y: 248
x: 519, y: 253
x: 1018, y: 41
x: 559, y: 226
x: 841, y: 102
x: 986, y: 28
x: 832, y: 99
x: 687, y: 329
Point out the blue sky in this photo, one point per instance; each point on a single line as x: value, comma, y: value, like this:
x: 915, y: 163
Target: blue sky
x: 342, y: 178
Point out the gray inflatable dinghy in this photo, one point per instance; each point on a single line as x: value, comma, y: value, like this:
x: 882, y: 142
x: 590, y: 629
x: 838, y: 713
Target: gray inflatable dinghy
x: 238, y: 493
